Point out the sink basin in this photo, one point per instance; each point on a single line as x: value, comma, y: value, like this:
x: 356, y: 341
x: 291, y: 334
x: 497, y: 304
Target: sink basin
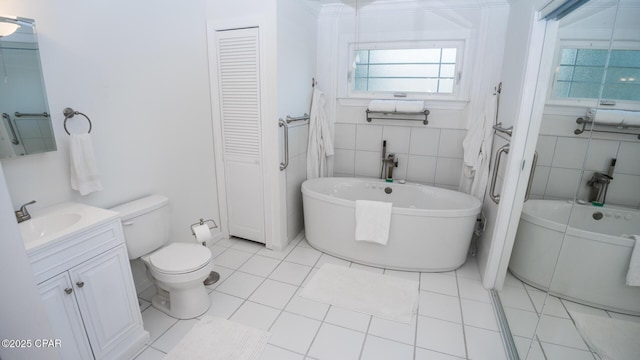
x: 40, y: 227
x: 60, y: 222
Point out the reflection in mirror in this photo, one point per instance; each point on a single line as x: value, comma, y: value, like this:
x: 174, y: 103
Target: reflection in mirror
x: 25, y: 127
x: 571, y: 257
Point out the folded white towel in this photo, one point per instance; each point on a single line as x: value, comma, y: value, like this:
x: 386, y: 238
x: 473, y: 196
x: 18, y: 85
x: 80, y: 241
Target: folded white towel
x: 633, y: 275
x: 383, y: 105
x: 409, y: 105
x: 607, y: 117
x: 631, y: 118
x: 373, y: 220
x: 84, y: 172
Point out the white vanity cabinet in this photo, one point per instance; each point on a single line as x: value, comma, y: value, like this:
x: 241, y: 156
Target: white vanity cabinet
x: 87, y: 288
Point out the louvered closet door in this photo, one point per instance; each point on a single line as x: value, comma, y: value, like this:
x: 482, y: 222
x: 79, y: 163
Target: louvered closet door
x: 239, y: 86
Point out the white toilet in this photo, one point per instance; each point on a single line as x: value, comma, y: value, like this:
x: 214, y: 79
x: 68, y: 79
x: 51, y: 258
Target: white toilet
x: 178, y: 269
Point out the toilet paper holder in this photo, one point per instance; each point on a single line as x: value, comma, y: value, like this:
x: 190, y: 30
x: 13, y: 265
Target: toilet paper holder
x: 212, y: 225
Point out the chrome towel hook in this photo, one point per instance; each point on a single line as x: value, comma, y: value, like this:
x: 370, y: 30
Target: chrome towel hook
x: 69, y: 113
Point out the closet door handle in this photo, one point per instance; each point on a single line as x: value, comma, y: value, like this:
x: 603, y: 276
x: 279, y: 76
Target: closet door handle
x: 533, y: 171
x: 282, y: 123
x: 492, y: 190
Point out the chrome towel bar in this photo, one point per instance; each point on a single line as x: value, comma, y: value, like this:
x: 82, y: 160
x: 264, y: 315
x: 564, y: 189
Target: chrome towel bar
x: 424, y: 113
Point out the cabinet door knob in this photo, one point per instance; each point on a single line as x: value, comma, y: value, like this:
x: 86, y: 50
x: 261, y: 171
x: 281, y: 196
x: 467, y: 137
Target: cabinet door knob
x: 68, y: 290
x: 80, y: 284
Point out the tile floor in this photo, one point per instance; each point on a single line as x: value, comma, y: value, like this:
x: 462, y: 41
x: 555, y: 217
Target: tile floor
x: 259, y: 287
x: 557, y: 337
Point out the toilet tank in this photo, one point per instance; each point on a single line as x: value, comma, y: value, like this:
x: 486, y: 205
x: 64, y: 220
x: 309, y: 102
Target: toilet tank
x: 145, y: 223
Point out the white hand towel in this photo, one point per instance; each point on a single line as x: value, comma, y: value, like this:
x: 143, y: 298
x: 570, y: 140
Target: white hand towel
x: 409, y: 106
x: 383, y: 105
x: 633, y: 275
x: 84, y: 172
x: 373, y: 220
x: 631, y: 118
x: 608, y: 117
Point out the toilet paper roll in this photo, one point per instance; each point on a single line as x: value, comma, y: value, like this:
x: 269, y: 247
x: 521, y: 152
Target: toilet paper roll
x: 202, y: 232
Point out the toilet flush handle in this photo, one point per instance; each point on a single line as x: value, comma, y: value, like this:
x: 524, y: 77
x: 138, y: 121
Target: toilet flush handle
x: 127, y: 223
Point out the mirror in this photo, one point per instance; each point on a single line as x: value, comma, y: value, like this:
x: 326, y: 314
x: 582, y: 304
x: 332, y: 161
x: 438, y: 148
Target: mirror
x: 568, y: 264
x: 25, y: 127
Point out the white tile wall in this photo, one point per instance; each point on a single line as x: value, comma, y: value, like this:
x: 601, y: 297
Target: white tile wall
x: 426, y: 155
x: 561, y: 156
x: 296, y: 173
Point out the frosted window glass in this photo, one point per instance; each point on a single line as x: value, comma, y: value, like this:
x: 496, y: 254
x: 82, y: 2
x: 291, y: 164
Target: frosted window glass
x: 584, y: 90
x: 619, y: 91
x: 581, y: 73
x: 588, y: 74
x: 446, y: 86
x: 565, y: 73
x: 449, y: 55
x: 568, y: 56
x: 406, y: 70
x: 591, y: 57
x: 413, y: 85
x: 625, y: 58
x: 447, y: 71
x: 403, y: 71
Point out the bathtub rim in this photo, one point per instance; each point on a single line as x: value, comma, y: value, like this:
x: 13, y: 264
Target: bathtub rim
x: 567, y: 229
x: 442, y: 213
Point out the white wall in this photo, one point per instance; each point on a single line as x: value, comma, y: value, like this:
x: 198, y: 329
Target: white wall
x: 139, y: 71
x: 297, y: 38
x: 523, y: 46
x: 429, y: 154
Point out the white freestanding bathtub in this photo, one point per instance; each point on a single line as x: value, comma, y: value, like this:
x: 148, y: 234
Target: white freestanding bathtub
x: 430, y: 227
x: 592, y: 261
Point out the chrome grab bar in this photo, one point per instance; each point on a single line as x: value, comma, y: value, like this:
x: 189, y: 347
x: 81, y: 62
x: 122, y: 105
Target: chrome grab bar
x: 533, y: 171
x: 15, y: 140
x: 297, y: 118
x: 498, y: 127
x: 282, y: 123
x: 492, y: 190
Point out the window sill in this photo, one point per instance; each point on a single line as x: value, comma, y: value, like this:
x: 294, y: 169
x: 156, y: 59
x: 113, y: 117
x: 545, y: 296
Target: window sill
x: 441, y: 104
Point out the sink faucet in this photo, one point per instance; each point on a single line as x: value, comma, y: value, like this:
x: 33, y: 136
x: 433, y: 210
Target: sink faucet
x: 23, y: 213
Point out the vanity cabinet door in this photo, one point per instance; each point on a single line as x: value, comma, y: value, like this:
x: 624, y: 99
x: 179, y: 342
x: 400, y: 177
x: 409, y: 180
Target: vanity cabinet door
x: 66, y: 322
x: 107, y: 299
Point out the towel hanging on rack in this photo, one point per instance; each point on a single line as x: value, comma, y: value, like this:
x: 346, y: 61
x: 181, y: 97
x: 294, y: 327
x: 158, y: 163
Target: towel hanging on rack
x: 84, y: 172
x: 320, y: 145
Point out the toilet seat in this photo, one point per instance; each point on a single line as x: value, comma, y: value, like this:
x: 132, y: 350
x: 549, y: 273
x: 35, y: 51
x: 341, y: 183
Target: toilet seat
x: 180, y: 258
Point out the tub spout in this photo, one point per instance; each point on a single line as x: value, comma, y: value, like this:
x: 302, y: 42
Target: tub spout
x: 599, y: 184
x: 390, y: 162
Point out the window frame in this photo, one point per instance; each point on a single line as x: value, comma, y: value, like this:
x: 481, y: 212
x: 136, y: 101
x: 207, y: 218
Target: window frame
x: 592, y: 45
x: 458, y: 85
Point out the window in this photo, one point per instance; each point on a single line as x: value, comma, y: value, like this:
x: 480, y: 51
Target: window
x: 581, y: 72
x: 426, y: 70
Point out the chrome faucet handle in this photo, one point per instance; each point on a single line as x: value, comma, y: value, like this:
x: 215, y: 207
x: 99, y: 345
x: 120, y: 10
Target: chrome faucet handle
x: 23, y: 213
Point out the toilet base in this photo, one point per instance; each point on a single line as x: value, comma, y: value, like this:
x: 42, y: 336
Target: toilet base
x: 182, y: 303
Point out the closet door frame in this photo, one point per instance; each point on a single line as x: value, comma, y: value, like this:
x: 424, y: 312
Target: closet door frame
x: 274, y: 229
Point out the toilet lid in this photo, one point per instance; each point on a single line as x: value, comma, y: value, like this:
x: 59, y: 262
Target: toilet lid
x: 180, y: 258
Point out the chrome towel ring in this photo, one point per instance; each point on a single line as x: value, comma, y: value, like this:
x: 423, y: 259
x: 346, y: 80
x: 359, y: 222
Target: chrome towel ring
x: 69, y: 113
